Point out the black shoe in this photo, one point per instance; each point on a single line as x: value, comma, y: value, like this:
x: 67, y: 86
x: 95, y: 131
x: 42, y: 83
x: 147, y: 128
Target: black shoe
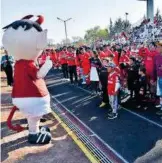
x: 109, y: 111
x: 112, y: 115
x: 43, y: 120
x: 39, y: 138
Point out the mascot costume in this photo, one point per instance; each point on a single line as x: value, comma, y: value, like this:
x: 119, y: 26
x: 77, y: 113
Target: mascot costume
x: 25, y: 40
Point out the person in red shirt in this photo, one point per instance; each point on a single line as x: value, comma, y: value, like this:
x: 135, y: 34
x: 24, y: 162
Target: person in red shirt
x: 113, y: 86
x: 71, y: 60
x: 53, y: 56
x: 58, y: 64
x: 123, y: 62
x: 89, y: 51
x: 101, y: 53
x: 116, y: 55
x: 143, y: 51
x: 107, y: 50
x: 149, y: 61
x: 63, y: 61
x: 85, y: 64
x: 124, y: 59
x: 134, y: 51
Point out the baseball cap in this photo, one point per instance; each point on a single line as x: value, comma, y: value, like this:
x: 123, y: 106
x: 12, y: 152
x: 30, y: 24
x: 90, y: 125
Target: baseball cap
x: 112, y: 65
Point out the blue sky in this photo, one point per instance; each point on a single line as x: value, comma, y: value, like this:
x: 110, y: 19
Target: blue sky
x: 85, y: 13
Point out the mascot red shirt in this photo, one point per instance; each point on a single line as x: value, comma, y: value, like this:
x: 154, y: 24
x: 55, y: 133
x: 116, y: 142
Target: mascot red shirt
x: 30, y: 94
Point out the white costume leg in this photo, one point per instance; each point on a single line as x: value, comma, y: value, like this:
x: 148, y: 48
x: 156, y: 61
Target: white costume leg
x: 33, y: 123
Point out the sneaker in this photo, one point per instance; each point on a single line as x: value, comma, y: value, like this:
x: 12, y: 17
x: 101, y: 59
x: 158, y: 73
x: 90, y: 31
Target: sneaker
x: 112, y: 115
x: 159, y: 112
x: 43, y: 120
x: 93, y: 93
x: 109, y: 111
x: 158, y: 106
x: 42, y: 137
x: 145, y: 108
x: 99, y: 93
x: 119, y: 107
x: 102, y: 104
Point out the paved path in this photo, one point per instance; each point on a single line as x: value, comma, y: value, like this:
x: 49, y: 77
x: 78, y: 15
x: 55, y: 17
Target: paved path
x: 135, y: 135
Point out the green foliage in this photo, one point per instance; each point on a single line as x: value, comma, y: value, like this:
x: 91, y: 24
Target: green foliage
x: 96, y: 33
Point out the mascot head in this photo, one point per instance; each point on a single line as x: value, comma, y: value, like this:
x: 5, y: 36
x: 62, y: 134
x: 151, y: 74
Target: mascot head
x: 25, y: 39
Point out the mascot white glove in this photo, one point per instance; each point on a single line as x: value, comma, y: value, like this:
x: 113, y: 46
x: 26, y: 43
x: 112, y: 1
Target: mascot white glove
x: 45, y: 68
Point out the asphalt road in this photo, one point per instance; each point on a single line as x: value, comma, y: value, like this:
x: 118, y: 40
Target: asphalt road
x: 133, y: 134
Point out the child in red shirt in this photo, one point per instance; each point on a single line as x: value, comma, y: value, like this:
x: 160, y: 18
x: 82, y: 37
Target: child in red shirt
x: 113, y: 90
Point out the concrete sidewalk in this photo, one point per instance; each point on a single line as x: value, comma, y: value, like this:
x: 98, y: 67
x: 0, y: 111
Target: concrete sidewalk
x: 15, y: 147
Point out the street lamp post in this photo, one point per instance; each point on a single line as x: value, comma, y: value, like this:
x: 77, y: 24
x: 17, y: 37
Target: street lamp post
x: 126, y: 16
x: 64, y: 21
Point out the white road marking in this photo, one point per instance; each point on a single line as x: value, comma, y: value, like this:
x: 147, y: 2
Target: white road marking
x: 138, y: 115
x: 144, y: 118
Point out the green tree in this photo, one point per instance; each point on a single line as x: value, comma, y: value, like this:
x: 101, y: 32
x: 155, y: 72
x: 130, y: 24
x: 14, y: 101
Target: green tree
x: 102, y: 34
x: 111, y: 29
x: 118, y: 27
x: 95, y: 33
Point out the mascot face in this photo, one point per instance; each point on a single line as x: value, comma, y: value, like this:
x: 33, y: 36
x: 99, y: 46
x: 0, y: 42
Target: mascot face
x: 25, y: 39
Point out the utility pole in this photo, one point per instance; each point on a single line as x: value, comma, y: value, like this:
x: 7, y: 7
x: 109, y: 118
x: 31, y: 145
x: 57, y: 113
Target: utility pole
x: 64, y: 21
x: 126, y: 20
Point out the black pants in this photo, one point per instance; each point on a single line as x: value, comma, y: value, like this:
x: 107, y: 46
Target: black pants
x: 95, y: 86
x: 141, y: 100
x: 9, y: 73
x: 73, y: 73
x: 65, y: 70
x: 105, y: 98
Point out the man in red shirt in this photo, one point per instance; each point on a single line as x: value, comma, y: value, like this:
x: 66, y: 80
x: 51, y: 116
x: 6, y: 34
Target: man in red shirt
x: 101, y: 53
x: 71, y: 60
x: 116, y: 55
x: 63, y: 61
x: 53, y: 56
x: 107, y: 50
